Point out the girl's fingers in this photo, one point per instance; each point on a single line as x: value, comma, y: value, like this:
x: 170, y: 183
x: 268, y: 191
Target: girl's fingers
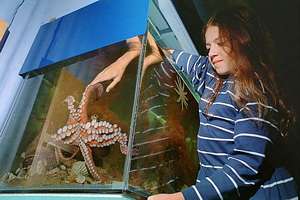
x: 113, y: 84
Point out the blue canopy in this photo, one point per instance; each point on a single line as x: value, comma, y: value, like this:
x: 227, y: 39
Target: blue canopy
x: 97, y: 25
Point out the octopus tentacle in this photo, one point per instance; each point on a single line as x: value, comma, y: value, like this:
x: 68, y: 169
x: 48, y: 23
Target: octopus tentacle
x: 64, y: 158
x: 122, y: 139
x: 88, y: 158
x: 82, y: 108
x: 85, y: 134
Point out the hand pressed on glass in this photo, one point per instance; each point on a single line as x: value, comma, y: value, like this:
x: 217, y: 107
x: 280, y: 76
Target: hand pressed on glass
x: 116, y: 70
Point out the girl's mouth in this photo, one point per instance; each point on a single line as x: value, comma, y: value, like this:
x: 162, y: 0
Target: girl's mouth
x: 217, y: 61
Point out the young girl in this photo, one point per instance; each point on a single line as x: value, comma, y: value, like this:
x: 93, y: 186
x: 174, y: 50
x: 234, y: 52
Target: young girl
x: 242, y: 117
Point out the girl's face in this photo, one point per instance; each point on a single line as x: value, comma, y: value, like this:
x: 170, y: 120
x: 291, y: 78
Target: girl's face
x: 218, y: 52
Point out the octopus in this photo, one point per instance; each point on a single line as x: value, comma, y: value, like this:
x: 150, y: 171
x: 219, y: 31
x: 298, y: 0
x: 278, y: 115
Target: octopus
x: 182, y: 94
x: 85, y: 133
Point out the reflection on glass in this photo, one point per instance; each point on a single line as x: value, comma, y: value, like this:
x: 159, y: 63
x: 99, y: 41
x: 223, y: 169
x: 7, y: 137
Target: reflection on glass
x: 160, y: 28
x: 77, y: 133
x: 166, y: 123
x: 165, y: 131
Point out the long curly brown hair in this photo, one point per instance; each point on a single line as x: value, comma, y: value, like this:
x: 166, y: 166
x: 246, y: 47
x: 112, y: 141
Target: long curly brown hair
x: 254, y: 78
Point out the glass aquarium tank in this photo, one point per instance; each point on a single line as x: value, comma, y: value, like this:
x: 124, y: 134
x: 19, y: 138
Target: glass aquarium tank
x: 69, y: 134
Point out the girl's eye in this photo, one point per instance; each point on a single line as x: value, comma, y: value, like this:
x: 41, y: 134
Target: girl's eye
x: 220, y: 43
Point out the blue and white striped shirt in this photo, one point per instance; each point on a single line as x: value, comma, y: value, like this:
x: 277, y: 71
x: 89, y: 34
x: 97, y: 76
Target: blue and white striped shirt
x: 234, y: 149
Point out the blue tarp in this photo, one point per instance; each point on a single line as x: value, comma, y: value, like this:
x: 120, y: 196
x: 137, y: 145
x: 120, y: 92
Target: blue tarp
x: 97, y: 25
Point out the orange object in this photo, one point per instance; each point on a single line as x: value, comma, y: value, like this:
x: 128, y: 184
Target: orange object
x: 3, y: 27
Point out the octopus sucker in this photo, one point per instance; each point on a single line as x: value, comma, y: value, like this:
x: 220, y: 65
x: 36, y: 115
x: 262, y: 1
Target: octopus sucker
x: 86, y: 133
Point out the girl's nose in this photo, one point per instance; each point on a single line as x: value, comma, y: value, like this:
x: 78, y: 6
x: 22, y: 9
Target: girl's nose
x: 212, y: 51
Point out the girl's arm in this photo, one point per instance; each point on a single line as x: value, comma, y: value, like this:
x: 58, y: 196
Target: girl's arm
x: 193, y: 66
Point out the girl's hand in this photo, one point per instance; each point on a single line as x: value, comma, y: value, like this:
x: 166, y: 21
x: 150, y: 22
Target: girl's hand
x: 116, y: 70
x: 174, y: 196
x: 113, y: 72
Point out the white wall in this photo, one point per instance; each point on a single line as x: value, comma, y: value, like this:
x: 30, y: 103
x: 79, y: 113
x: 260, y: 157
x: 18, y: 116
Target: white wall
x: 8, y: 8
x: 59, y: 8
x: 22, y: 32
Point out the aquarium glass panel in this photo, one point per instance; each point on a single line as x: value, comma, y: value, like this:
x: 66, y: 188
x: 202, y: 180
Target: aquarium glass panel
x: 68, y: 133
x: 167, y: 121
x: 76, y: 133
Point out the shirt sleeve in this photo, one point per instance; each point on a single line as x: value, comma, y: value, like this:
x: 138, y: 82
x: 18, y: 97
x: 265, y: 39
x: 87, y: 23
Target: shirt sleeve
x: 193, y: 66
x: 246, y: 165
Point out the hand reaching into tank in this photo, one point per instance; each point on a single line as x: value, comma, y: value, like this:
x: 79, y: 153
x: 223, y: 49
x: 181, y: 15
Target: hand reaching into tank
x: 116, y: 70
